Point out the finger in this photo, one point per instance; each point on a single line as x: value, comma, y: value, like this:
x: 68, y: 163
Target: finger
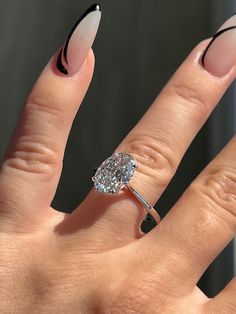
x: 33, y: 161
x: 225, y: 301
x: 203, y: 221
x: 159, y: 141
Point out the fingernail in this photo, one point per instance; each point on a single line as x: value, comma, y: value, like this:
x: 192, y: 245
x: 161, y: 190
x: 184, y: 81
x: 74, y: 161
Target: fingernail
x: 220, y: 55
x: 80, y: 39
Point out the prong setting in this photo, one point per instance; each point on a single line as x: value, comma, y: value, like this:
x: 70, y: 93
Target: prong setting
x: 114, y: 173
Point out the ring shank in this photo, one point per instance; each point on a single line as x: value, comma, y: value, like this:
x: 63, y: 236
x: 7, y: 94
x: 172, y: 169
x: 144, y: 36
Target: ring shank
x: 150, y: 209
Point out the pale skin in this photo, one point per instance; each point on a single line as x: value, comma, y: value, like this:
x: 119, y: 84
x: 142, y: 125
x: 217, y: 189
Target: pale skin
x: 95, y: 261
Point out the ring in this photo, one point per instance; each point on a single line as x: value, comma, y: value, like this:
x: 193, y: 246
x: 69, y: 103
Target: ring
x: 115, y: 173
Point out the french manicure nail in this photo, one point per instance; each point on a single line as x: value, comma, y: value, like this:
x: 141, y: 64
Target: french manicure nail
x: 220, y: 55
x: 80, y: 39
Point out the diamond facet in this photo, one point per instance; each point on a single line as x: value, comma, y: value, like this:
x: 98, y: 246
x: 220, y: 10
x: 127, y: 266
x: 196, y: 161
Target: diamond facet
x: 114, y: 173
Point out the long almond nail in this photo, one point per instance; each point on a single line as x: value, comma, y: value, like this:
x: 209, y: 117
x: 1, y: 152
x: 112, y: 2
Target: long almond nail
x: 79, y: 41
x: 220, y: 55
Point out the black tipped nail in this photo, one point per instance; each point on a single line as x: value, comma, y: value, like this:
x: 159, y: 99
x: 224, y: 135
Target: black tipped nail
x: 62, y: 60
x: 219, y: 33
x: 219, y: 56
x: 60, y: 66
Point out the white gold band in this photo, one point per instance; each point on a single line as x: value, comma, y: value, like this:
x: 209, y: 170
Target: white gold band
x: 150, y: 209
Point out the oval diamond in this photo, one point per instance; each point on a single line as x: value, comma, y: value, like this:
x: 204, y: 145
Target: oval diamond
x: 114, y: 173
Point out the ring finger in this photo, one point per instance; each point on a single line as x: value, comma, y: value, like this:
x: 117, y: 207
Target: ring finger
x: 159, y: 141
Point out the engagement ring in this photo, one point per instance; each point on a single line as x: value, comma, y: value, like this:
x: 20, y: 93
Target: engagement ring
x: 115, y: 173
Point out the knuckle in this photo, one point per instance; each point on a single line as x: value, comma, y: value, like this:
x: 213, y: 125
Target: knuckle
x: 193, y: 99
x: 137, y: 295
x: 47, y: 105
x: 33, y: 157
x: 47, y: 109
x: 155, y: 159
x: 130, y: 298
x: 219, y: 186
x: 35, y: 152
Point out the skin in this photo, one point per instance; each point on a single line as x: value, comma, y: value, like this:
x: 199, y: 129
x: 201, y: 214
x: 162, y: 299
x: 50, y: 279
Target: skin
x: 95, y: 261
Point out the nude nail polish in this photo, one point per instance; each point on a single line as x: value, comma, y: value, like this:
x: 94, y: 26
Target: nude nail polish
x: 80, y: 39
x: 220, y: 55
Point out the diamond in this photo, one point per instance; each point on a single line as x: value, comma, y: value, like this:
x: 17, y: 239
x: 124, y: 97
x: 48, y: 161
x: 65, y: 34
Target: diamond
x: 114, y: 173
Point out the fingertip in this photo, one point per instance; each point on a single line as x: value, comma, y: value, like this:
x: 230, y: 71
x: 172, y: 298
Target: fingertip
x: 194, y: 68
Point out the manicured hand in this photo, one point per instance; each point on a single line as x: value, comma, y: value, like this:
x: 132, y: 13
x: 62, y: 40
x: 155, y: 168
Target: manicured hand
x: 95, y: 260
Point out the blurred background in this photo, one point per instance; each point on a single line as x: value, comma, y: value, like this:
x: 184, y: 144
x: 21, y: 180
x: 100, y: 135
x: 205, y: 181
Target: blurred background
x: 139, y: 46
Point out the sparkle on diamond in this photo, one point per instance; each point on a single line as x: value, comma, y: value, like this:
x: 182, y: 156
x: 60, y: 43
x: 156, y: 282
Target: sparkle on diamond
x: 114, y: 173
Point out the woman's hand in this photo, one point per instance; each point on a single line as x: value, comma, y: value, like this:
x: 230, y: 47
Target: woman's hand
x: 94, y: 261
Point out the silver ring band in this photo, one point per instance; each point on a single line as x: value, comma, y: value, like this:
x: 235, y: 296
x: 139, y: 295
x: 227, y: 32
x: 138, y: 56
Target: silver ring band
x: 150, y: 209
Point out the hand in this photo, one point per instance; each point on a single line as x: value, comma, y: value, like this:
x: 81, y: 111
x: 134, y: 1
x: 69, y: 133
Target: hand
x: 94, y: 261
